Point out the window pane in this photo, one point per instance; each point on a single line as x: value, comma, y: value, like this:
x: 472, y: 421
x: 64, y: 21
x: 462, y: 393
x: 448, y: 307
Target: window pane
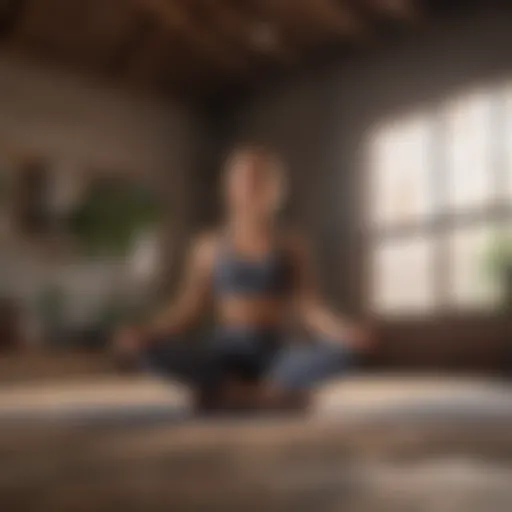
x: 508, y: 141
x: 469, y: 160
x: 402, y: 276
x: 498, y: 260
x: 471, y: 282
x: 400, y: 184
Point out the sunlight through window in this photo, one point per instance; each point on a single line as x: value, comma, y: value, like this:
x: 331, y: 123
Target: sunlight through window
x: 398, y: 264
x: 508, y: 144
x: 440, y: 188
x: 468, y: 149
x: 470, y: 284
x: 400, y: 167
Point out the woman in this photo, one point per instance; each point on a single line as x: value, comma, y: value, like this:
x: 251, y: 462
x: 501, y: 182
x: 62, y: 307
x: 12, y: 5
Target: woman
x: 260, y: 278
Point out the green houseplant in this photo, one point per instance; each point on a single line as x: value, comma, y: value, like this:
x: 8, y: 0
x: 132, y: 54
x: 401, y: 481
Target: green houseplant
x: 113, y: 214
x: 106, y: 225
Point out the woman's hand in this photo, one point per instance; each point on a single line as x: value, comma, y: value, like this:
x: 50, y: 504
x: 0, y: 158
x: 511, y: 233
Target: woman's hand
x: 128, y: 341
x: 314, y: 314
x: 359, y: 337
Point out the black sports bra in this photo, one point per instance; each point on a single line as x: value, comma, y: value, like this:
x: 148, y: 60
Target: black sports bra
x: 270, y: 275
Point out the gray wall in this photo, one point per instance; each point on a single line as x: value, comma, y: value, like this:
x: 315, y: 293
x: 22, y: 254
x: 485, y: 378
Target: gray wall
x: 75, y: 122
x: 320, y: 120
x: 80, y: 127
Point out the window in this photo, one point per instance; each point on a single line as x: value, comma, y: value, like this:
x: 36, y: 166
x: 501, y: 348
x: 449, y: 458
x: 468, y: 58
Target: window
x: 398, y: 263
x: 440, y: 196
x: 401, y: 173
x: 506, y: 174
x: 468, y: 153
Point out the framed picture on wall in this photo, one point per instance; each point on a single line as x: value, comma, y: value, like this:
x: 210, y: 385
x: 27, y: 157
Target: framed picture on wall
x: 31, y: 191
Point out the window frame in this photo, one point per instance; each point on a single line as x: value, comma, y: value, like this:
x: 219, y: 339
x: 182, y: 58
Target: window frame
x: 445, y: 218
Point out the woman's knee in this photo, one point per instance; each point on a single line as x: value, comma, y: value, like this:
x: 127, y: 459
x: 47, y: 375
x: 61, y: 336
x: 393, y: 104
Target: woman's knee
x: 304, y: 367
x: 157, y: 355
x: 279, y: 395
x: 343, y: 356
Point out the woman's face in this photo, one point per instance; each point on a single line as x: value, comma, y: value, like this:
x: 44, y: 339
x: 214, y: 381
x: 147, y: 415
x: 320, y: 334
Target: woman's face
x: 253, y: 185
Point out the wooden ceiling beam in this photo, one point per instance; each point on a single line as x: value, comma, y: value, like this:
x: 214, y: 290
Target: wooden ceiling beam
x: 407, y: 10
x: 161, y: 66
x: 144, y: 53
x: 339, y: 17
x: 16, y: 42
x: 11, y: 14
x: 154, y: 59
x: 242, y: 28
x: 177, y: 18
x: 285, y: 16
x: 307, y: 21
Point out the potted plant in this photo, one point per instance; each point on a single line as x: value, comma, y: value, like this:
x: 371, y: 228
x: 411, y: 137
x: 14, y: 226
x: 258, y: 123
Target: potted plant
x: 107, y: 225
x: 112, y: 216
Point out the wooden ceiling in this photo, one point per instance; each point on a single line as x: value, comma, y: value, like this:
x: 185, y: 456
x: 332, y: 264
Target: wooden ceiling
x: 194, y: 46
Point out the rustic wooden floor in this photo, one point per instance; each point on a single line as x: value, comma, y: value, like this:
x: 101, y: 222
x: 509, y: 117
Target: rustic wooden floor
x: 39, y: 366
x: 373, y: 444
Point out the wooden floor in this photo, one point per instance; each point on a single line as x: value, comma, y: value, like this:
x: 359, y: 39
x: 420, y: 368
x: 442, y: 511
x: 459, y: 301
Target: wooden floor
x: 372, y: 444
x: 37, y: 366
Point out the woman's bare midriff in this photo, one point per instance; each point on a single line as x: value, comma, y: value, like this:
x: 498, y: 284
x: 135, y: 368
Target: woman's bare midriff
x: 264, y: 312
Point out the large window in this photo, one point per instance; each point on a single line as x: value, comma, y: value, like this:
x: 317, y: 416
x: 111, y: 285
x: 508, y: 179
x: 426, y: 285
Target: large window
x: 440, y: 203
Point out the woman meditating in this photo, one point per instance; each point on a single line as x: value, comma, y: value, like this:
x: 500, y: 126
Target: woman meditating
x: 260, y: 279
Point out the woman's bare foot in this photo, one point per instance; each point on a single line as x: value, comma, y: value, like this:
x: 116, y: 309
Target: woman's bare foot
x: 126, y: 346
x: 232, y: 397
x: 272, y: 398
x: 240, y: 396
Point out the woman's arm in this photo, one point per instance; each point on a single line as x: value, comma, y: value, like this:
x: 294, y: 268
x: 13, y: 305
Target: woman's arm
x: 315, y: 314
x: 183, y: 311
x: 193, y: 294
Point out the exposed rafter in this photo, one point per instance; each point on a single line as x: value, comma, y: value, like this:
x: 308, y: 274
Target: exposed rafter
x: 198, y: 46
x: 240, y: 28
x: 309, y: 22
x: 176, y: 16
x: 406, y: 10
x: 11, y: 12
x: 339, y: 17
